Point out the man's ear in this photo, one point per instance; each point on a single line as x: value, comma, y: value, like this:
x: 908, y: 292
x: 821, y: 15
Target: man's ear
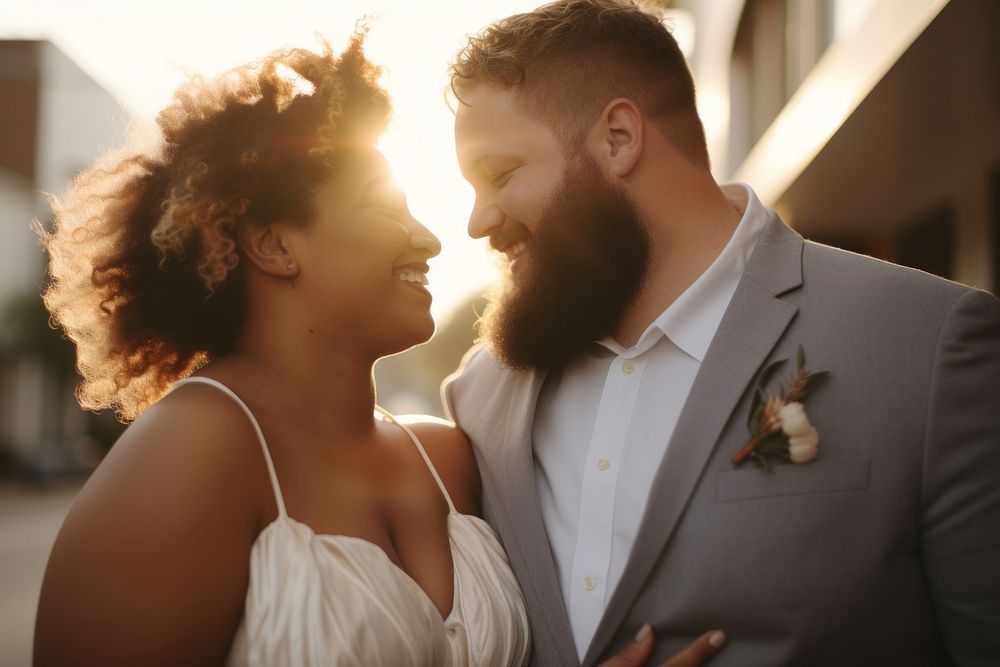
x: 266, y: 248
x: 619, y: 135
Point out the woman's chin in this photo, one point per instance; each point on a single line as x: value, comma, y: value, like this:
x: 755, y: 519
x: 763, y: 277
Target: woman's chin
x: 410, y: 335
x: 423, y: 332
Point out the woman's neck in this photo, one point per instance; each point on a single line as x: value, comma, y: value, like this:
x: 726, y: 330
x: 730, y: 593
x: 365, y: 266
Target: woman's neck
x: 299, y: 377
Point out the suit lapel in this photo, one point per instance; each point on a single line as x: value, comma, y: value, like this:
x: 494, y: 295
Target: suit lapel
x: 753, y: 324
x: 516, y: 465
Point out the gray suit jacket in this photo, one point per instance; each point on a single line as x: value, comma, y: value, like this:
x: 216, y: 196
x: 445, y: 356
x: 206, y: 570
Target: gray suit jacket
x: 883, y: 551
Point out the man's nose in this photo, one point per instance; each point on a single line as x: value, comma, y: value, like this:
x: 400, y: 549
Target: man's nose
x: 485, y: 216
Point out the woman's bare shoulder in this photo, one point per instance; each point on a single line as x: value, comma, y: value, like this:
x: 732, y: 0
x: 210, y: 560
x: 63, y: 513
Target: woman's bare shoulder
x: 452, y: 455
x: 158, y: 539
x: 195, y: 433
x: 189, y: 462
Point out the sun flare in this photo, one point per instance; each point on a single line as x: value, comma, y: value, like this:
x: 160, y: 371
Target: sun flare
x: 141, y: 52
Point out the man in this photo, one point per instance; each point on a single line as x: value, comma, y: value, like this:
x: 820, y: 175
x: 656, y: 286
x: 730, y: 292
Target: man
x: 644, y: 353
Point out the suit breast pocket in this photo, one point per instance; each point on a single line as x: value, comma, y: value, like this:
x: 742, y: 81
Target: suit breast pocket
x: 828, y: 476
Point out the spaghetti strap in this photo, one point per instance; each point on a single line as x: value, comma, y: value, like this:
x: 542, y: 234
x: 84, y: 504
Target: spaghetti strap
x: 278, y: 498
x: 420, y: 448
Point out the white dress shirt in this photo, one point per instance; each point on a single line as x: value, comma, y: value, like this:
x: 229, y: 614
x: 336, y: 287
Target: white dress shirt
x: 603, y: 423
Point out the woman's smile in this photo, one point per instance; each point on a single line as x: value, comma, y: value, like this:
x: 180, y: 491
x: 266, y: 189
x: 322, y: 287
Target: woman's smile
x: 413, y: 277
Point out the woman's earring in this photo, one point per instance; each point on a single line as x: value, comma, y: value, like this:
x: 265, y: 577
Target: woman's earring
x: 291, y: 265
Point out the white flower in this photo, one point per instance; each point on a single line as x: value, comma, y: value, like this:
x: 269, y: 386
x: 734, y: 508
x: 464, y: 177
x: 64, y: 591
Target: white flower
x: 794, y: 420
x: 804, y: 448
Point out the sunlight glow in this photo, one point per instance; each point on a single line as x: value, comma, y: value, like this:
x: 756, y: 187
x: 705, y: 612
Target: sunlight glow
x: 140, y: 52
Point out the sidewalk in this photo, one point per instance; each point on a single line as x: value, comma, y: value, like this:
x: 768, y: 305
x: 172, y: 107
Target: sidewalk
x: 29, y: 521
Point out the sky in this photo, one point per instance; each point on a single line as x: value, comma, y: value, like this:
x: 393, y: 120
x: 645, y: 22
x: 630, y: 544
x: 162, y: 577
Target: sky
x: 141, y: 51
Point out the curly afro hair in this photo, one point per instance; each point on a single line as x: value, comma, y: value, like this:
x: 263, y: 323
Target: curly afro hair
x: 144, y: 271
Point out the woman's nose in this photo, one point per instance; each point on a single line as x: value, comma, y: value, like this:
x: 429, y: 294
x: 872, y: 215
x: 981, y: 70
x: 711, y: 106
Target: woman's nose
x: 422, y: 238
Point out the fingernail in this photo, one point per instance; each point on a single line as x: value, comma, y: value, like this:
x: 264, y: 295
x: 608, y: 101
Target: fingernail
x: 717, y: 639
x: 643, y: 633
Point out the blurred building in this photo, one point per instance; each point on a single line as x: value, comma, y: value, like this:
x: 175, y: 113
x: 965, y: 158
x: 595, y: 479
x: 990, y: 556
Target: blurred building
x: 54, y: 121
x: 873, y: 125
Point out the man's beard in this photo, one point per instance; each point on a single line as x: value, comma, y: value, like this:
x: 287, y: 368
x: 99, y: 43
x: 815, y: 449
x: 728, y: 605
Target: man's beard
x: 588, y: 260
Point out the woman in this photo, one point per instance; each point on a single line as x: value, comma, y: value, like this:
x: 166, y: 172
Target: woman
x: 229, y: 291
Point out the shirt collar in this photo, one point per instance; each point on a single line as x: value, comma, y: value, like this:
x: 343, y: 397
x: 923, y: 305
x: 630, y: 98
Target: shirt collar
x: 690, y: 322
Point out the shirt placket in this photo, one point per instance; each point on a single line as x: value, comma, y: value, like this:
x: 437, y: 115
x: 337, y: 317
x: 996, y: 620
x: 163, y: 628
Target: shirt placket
x: 592, y: 556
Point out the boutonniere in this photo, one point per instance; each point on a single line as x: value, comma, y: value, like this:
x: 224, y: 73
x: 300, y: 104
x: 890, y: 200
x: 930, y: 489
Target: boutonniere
x: 779, y: 425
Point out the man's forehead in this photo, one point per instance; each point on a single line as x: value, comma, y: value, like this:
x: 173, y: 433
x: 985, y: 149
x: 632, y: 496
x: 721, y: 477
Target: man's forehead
x: 490, y: 119
x: 485, y: 108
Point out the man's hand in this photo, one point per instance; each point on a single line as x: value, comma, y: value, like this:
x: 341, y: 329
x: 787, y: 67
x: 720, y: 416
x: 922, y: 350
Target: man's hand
x: 697, y: 653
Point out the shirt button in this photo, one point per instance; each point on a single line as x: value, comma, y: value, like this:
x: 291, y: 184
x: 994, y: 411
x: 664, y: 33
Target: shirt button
x: 628, y: 367
x: 589, y: 583
x: 603, y: 463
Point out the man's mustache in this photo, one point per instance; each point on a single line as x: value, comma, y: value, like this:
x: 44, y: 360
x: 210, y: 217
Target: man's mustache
x: 507, y: 234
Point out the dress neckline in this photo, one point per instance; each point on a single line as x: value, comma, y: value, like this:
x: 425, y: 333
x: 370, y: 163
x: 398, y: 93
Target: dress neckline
x: 380, y: 552
x: 283, y: 515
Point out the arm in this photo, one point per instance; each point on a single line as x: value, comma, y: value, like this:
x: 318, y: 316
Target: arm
x: 151, y: 564
x: 960, y: 500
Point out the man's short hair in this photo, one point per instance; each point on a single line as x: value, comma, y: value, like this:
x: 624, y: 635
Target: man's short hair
x: 568, y: 59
